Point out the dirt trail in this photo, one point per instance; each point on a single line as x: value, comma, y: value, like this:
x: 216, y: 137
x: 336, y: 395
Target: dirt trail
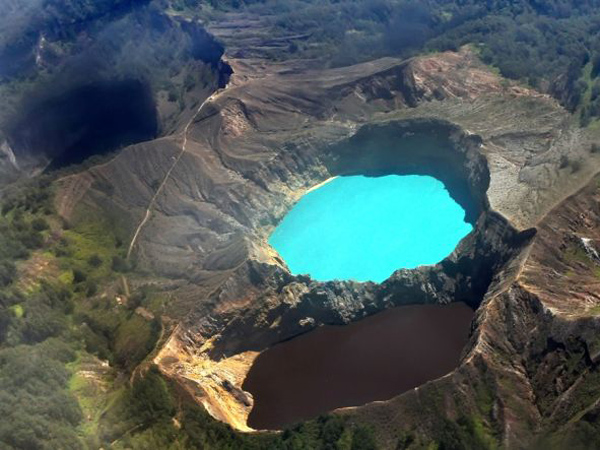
x: 168, y: 174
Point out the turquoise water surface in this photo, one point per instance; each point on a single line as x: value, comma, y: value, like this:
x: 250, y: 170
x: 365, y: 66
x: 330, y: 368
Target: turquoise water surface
x: 365, y: 228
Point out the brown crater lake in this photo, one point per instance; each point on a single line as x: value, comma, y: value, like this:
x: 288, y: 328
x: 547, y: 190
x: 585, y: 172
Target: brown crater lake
x: 375, y: 358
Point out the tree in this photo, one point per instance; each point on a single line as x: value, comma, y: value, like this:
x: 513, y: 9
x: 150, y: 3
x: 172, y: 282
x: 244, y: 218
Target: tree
x: 79, y: 276
x: 119, y: 264
x: 39, y: 224
x: 150, y: 398
x: 95, y: 260
x: 8, y: 272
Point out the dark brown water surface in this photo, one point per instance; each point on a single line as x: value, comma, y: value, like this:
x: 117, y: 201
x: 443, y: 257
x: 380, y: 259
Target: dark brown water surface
x: 376, y: 358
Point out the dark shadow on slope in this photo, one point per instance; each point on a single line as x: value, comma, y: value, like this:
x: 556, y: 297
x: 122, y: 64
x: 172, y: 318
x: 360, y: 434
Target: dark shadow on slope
x: 86, y: 121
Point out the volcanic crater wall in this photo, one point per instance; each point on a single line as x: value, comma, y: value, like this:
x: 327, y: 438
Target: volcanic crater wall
x: 260, y: 144
x: 286, y: 305
x: 269, y: 305
x: 419, y: 147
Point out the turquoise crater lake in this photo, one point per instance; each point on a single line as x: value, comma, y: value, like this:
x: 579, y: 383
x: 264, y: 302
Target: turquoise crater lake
x: 364, y: 228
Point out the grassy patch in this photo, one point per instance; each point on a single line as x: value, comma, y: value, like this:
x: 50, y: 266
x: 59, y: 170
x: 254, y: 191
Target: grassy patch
x: 468, y: 432
x: 134, y: 339
x: 87, y: 242
x: 585, y: 394
x: 484, y: 398
x: 90, y: 400
x: 17, y: 310
x: 66, y: 277
x: 575, y: 254
x: 483, y: 434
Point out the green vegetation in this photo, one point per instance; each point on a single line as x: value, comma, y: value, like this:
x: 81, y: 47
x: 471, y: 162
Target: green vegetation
x: 22, y: 224
x: 22, y: 22
x: 37, y: 410
x: 57, y: 333
x: 549, y: 45
x: 35, y: 336
x: 46, y: 321
x: 466, y: 433
x: 581, y: 430
x: 578, y: 260
x: 148, y: 417
x: 583, y: 434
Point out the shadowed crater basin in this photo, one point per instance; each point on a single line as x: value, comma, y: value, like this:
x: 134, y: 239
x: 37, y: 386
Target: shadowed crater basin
x: 373, y: 359
x: 97, y: 118
x: 364, y: 228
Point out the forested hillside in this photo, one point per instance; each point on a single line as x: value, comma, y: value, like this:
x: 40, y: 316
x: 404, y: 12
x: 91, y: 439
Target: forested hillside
x: 552, y: 46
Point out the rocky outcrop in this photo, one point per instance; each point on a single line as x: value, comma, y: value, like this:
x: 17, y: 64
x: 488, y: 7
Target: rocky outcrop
x: 8, y: 162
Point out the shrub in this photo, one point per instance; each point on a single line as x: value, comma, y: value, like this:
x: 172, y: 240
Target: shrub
x: 134, y: 339
x: 8, y: 273
x: 39, y: 224
x: 119, y: 264
x: 79, y: 276
x: 91, y: 288
x: 150, y: 398
x: 95, y: 260
x: 38, y: 412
